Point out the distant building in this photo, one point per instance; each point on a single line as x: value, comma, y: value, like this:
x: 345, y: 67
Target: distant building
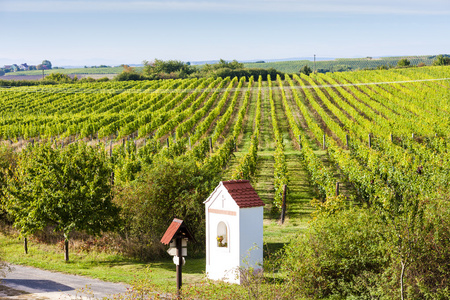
x: 24, y: 67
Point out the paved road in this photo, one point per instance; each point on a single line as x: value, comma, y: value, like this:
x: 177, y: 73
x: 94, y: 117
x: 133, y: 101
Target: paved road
x: 40, y: 284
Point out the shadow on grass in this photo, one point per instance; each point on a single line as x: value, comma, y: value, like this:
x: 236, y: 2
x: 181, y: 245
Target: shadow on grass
x: 193, y: 265
x: 272, y: 248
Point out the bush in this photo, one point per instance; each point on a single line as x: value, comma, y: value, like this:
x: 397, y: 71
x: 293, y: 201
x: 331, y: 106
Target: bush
x: 342, y: 254
x: 124, y: 76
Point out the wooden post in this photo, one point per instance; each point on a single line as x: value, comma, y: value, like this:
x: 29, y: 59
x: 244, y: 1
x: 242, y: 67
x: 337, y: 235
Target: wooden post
x: 370, y: 141
x: 123, y: 143
x: 190, y: 146
x: 300, y: 142
x: 283, y: 206
x: 135, y: 146
x: 337, y: 188
x: 210, y: 145
x: 25, y: 245
x: 110, y: 148
x: 179, y: 266
x: 66, y: 249
x: 168, y: 144
x: 346, y: 139
x: 324, y: 146
x: 392, y: 139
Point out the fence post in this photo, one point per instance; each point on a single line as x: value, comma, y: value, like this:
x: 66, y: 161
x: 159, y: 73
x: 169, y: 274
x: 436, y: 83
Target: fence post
x: 337, y: 188
x: 283, y: 206
x: 324, y: 146
x: 300, y: 141
x: 370, y: 141
x: 210, y: 145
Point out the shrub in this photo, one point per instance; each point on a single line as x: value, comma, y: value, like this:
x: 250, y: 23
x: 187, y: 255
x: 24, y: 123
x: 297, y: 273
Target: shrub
x: 341, y: 254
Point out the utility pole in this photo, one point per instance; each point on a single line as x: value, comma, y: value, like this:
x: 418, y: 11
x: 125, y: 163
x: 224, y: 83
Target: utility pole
x: 314, y: 64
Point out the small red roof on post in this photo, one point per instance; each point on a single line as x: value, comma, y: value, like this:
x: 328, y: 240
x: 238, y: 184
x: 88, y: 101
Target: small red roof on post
x: 243, y: 193
x: 177, y: 227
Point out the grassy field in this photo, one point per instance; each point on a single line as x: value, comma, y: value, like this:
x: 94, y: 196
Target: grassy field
x: 111, y: 70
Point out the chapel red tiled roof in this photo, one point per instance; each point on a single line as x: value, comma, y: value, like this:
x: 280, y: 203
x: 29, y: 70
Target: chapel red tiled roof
x: 243, y: 193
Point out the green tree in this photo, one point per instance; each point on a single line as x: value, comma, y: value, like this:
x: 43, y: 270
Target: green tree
x: 2, y: 72
x: 306, y: 70
x: 68, y: 188
x: 46, y: 64
x: 167, y: 67
x: 403, y: 62
x: 59, y: 77
x: 441, y: 60
x: 168, y: 188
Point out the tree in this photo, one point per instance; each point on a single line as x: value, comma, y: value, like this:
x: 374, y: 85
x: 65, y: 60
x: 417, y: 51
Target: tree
x: 59, y: 77
x: 306, y: 70
x: 168, y: 188
x: 167, y: 67
x: 47, y: 64
x: 68, y: 188
x: 441, y: 60
x: 403, y: 62
x: 2, y: 72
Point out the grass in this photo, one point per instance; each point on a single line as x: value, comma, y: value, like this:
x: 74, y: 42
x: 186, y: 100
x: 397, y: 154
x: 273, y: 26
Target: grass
x: 111, y: 70
x: 105, y: 266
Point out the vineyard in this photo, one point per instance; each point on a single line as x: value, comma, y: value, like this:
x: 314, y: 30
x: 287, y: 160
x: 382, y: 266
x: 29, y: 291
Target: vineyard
x: 364, y: 136
x: 362, y: 156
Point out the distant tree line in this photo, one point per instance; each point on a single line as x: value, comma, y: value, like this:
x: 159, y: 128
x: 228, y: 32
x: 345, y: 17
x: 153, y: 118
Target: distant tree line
x: 171, y: 69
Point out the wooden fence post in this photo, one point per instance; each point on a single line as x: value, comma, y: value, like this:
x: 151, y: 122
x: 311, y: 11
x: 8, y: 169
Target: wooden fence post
x: 324, y: 146
x: 283, y: 206
x: 337, y: 188
x: 210, y: 145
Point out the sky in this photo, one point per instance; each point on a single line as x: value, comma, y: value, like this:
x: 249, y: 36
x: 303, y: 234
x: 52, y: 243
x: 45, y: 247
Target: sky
x: 114, y: 32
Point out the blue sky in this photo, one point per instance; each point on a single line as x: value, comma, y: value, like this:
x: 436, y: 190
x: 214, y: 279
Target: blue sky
x: 93, y: 32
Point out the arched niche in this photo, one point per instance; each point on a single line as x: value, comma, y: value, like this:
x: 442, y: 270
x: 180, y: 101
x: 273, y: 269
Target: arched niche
x: 222, y: 235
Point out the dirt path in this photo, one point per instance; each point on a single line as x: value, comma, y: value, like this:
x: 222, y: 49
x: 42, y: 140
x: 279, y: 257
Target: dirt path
x: 32, y: 283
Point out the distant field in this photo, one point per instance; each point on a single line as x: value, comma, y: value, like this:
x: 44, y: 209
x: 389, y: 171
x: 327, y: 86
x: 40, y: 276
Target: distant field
x: 84, y: 71
x: 38, y: 77
x: 341, y: 64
